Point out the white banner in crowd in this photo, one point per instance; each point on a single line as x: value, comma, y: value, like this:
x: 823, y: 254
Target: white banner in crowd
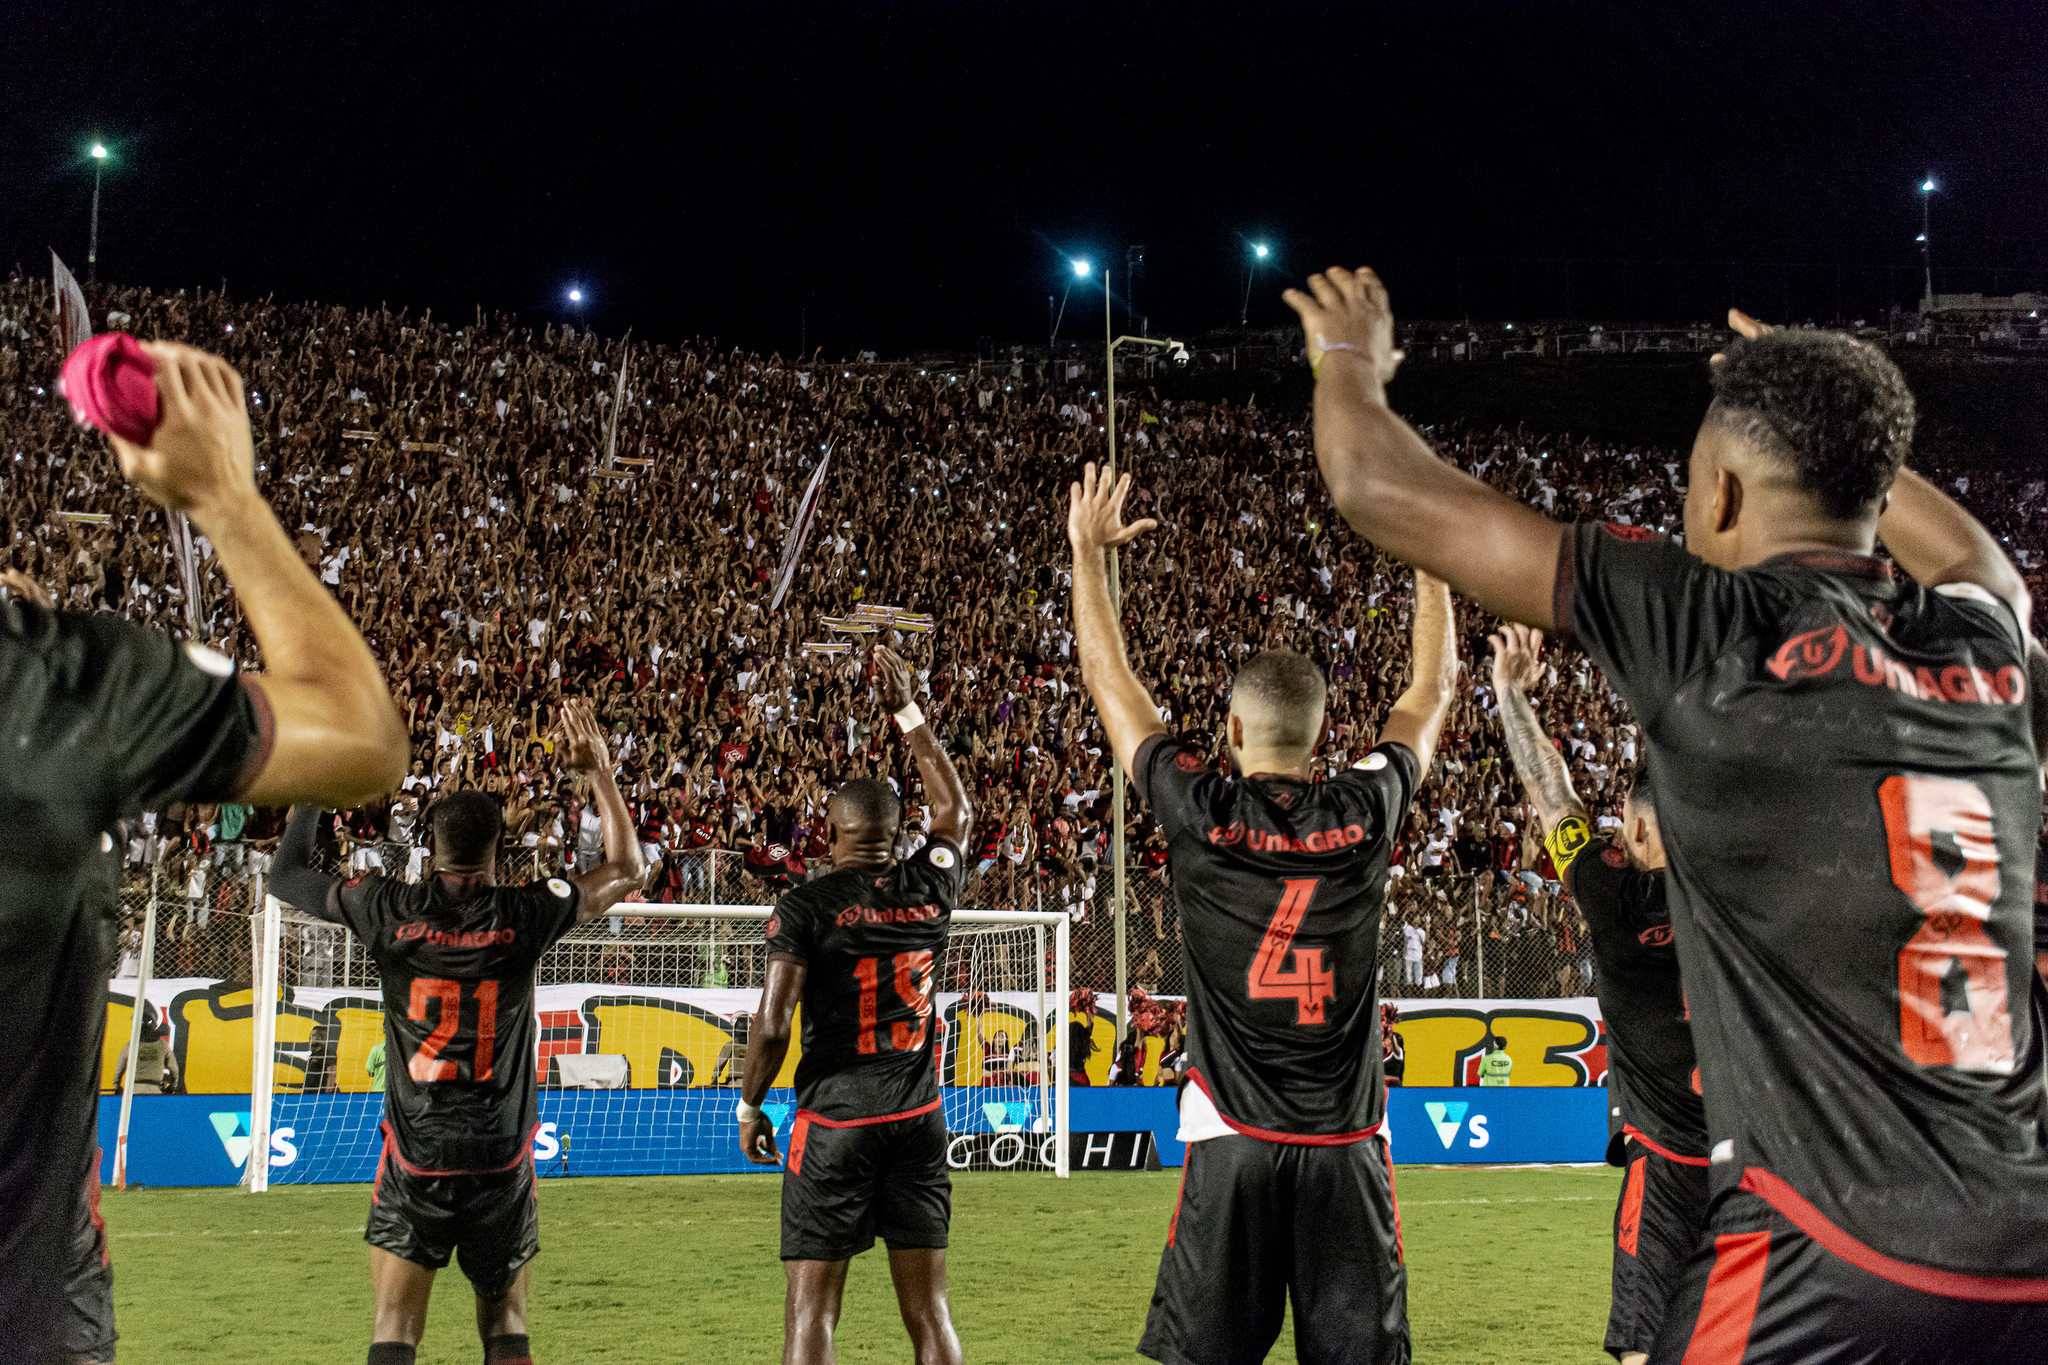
x: 799, y: 532
x: 74, y: 320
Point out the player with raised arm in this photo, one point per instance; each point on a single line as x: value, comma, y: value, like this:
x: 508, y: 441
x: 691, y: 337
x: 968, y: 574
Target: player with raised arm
x: 1617, y: 878
x: 456, y: 956
x: 1281, y: 882
x: 109, y: 720
x: 858, y: 947
x: 1848, y: 793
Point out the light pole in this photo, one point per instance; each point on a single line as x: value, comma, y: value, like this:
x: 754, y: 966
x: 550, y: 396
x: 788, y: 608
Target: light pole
x: 92, y: 247
x: 1116, y: 604
x: 576, y: 302
x: 1081, y: 268
x: 1926, y: 250
x: 1244, y: 313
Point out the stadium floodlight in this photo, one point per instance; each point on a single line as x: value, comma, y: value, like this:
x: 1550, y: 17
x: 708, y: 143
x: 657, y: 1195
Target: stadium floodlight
x: 99, y: 153
x: 92, y: 246
x: 1926, y: 251
x: 575, y: 296
x: 1259, y: 253
x: 1921, y: 238
x: 1927, y: 187
x: 1081, y: 269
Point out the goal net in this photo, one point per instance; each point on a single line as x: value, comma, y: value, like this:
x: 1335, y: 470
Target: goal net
x: 642, y: 1024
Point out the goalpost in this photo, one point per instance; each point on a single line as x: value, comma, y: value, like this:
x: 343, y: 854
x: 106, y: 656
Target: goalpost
x: 642, y: 1021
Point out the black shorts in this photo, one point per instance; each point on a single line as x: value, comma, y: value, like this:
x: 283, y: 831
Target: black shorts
x: 1258, y: 1219
x: 1761, y: 1290
x: 1658, y: 1222
x: 89, y: 1279
x: 491, y: 1220
x: 847, y: 1181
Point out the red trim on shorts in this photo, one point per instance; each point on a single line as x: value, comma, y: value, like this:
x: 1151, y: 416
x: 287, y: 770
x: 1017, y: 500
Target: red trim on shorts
x: 1173, y: 1223
x: 1293, y: 1139
x: 798, y: 1135
x: 867, y: 1123
x: 1387, y: 1150
x: 1631, y: 1221
x: 1720, y: 1335
x: 1660, y: 1149
x: 391, y: 1150
x: 1773, y: 1190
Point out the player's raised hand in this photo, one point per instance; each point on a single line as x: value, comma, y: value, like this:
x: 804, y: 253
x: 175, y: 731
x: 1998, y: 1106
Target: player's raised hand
x: 1744, y: 325
x: 757, y: 1140
x: 1517, y: 657
x: 1095, y: 512
x: 21, y: 585
x: 202, y: 455
x: 1348, y: 312
x: 894, y: 686
x: 580, y: 738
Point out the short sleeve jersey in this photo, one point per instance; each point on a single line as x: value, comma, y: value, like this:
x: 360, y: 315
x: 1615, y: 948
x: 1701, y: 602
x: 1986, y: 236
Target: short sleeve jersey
x: 1849, y: 796
x: 1650, y: 1065
x: 103, y: 720
x: 457, y: 963
x: 1281, y: 885
x: 872, y: 944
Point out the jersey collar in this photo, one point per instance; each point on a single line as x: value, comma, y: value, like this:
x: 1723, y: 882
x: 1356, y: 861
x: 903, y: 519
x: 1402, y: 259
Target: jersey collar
x: 1833, y: 561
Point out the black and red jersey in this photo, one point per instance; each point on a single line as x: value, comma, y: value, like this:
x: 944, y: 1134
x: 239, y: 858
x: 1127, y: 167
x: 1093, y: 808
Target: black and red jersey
x: 1280, y: 885
x: 1651, y: 1071
x: 456, y: 958
x: 872, y: 944
x: 1849, y: 795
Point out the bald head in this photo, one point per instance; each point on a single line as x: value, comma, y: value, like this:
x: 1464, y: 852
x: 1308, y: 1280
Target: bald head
x: 865, y: 817
x: 1277, y: 698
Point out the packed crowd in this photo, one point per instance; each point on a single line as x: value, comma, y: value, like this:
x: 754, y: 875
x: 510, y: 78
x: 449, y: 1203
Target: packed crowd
x: 451, y: 481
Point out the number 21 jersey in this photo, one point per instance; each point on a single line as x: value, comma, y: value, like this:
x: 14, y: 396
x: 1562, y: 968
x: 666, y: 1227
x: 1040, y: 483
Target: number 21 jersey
x: 1280, y: 885
x: 457, y: 960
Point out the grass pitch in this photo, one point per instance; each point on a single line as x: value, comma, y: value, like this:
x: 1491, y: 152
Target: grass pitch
x: 1505, y: 1265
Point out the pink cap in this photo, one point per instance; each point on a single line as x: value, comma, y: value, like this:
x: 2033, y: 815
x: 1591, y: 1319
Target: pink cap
x: 110, y: 382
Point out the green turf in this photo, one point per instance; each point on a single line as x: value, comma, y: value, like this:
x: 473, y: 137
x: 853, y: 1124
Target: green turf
x: 1505, y: 1266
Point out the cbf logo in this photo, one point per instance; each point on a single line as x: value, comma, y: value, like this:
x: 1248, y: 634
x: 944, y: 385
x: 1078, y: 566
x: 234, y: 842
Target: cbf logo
x: 1447, y: 1117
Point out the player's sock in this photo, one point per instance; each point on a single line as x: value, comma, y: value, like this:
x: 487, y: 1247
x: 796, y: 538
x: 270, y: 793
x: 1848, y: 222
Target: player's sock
x: 508, y: 1350
x: 391, y: 1353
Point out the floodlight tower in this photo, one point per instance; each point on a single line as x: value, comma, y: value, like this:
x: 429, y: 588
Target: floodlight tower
x: 1926, y: 249
x: 92, y: 248
x: 1259, y: 253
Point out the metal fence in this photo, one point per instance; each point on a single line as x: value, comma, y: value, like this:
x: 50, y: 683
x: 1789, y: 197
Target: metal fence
x: 1456, y: 935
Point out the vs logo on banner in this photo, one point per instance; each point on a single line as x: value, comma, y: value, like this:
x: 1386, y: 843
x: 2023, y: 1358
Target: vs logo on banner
x: 235, y: 1139
x: 1447, y: 1117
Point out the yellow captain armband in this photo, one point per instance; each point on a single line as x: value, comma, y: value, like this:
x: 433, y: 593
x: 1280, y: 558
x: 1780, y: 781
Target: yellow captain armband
x: 1567, y: 840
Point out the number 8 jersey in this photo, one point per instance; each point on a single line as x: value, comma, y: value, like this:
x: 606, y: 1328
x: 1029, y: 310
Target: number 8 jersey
x: 1280, y: 885
x: 456, y: 958
x: 871, y: 942
x: 1848, y: 792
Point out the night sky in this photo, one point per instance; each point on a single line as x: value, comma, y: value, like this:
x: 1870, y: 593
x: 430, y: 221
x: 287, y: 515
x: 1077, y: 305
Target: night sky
x: 894, y: 176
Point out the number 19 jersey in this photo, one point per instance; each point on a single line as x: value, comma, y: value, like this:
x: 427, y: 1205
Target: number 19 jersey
x: 1280, y: 885
x: 871, y: 943
x: 460, y: 1092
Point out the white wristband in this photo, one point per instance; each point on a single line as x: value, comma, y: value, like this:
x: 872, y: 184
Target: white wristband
x: 745, y: 1113
x: 909, y: 718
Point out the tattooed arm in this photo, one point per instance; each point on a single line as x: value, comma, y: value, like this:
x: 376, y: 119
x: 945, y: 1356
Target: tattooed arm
x: 1517, y: 662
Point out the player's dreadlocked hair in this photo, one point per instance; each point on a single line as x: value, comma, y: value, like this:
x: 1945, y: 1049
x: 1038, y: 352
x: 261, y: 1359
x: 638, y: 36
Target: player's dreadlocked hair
x: 869, y: 801
x: 1288, y: 687
x: 467, y: 826
x: 1838, y: 411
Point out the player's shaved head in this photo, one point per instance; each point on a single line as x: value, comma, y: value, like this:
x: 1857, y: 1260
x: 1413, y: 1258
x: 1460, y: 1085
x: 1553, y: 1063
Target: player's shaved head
x: 867, y: 802
x: 467, y: 826
x: 1278, y: 696
x: 863, y: 819
x: 1639, y: 785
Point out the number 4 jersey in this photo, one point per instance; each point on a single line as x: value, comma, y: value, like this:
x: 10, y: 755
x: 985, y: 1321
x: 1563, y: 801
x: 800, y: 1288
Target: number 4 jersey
x: 1280, y: 885
x: 1849, y: 795
x: 870, y: 942
x: 457, y: 958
